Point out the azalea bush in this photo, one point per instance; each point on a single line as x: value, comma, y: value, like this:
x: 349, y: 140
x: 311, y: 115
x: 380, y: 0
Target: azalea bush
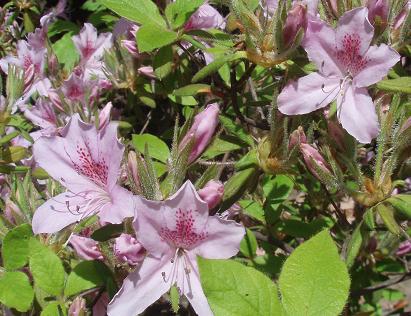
x: 198, y: 157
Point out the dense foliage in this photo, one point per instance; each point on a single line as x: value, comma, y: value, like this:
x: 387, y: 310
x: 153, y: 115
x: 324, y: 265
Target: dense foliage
x: 231, y: 157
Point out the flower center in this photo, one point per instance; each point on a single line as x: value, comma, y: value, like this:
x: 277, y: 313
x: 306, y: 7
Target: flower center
x: 349, y: 56
x: 184, y: 236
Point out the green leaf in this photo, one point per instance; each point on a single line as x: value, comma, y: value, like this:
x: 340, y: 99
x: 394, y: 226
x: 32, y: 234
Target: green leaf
x: 386, y: 213
x: 107, y: 232
x: 402, y: 84
x: 314, y: 280
x: 66, y: 52
x: 156, y: 147
x: 179, y: 12
x: 163, y: 62
x: 62, y: 26
x: 54, y: 309
x: 277, y: 189
x: 140, y: 11
x: 87, y: 275
x: 15, y: 247
x: 46, y: 267
x: 354, y: 244
x: 12, y: 154
x: 151, y: 36
x: 217, y: 64
x: 236, y: 130
x: 253, y: 209
x: 222, y: 145
x: 402, y: 203
x: 233, y: 289
x: 248, y: 245
x: 174, y: 299
x: 16, y: 291
x: 191, y: 89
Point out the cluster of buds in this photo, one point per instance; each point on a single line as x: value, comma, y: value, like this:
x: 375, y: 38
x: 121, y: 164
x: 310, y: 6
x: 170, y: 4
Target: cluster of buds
x: 271, y: 36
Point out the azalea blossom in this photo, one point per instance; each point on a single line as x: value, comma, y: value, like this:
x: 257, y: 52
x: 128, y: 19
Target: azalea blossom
x: 206, y: 17
x: 347, y: 64
x: 87, y: 163
x: 128, y: 249
x: 212, y: 193
x: 174, y: 232
x: 42, y: 115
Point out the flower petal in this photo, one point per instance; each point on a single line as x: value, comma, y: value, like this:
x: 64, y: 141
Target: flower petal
x: 56, y: 213
x: 122, y: 206
x: 357, y: 114
x: 355, y: 22
x: 380, y: 59
x: 223, y: 241
x: 319, y: 43
x: 141, y: 288
x: 308, y: 94
x: 194, y: 292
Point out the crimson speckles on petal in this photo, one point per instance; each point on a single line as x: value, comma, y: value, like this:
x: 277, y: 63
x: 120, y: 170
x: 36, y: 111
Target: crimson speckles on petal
x: 350, y: 56
x: 184, y: 236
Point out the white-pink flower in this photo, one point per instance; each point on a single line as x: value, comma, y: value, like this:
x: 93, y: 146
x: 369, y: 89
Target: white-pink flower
x: 86, y: 162
x: 347, y: 64
x: 206, y: 17
x: 174, y: 232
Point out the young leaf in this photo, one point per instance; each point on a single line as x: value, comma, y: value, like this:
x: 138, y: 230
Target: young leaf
x: 16, y: 291
x: 152, y: 36
x: 314, y: 280
x: 233, y: 289
x: 156, y: 147
x: 46, y: 267
x: 15, y: 247
x: 402, y: 84
x: 179, y: 12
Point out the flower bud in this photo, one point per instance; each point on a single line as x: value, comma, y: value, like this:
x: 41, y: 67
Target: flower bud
x: 206, y: 17
x: 86, y: 248
x: 128, y: 249
x: 297, y: 137
x: 201, y: 131
x: 404, y: 248
x: 104, y: 116
x: 55, y: 99
x: 212, y: 193
x: 336, y: 133
x: 12, y: 212
x: 377, y: 11
x: 132, y: 169
x: 78, y: 307
x: 147, y: 71
x: 313, y: 160
x: 296, y: 19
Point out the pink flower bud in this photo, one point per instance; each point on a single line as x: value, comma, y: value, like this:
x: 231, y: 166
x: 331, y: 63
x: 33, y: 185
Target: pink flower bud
x: 104, y: 116
x: 399, y: 20
x: 86, y: 248
x: 55, y: 99
x: 12, y: 211
x: 212, y: 193
x: 147, y: 71
x: 336, y: 133
x: 297, y: 137
x: 132, y: 169
x: 377, y: 8
x: 313, y: 159
x: 128, y: 249
x: 78, y: 307
x: 404, y: 248
x: 201, y: 131
x: 296, y: 19
x: 206, y: 17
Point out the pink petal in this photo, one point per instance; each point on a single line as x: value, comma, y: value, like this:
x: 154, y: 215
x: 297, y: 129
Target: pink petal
x: 85, y: 247
x: 122, y: 206
x: 194, y: 292
x: 223, y: 241
x: 319, y: 43
x: 356, y: 112
x: 308, y: 94
x: 55, y: 214
x: 355, y: 23
x: 141, y: 288
x: 380, y: 59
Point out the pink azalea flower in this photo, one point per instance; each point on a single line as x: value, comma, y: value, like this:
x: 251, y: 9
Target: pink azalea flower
x: 201, y: 131
x: 87, y: 162
x: 206, y: 17
x: 296, y: 19
x: 377, y: 8
x: 174, y: 232
x: 85, y: 247
x: 42, y: 115
x: 212, y: 193
x: 347, y: 64
x: 128, y: 249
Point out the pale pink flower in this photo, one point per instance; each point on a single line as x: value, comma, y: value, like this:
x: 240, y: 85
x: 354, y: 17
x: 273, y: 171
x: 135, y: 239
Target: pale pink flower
x: 128, y: 249
x: 85, y: 247
x: 206, y: 17
x: 74, y: 88
x: 147, y: 71
x: 174, y: 232
x: 87, y: 162
x: 130, y: 42
x: 51, y: 16
x: 43, y: 115
x: 212, y: 193
x: 296, y: 138
x: 347, y: 64
x: 202, y: 131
